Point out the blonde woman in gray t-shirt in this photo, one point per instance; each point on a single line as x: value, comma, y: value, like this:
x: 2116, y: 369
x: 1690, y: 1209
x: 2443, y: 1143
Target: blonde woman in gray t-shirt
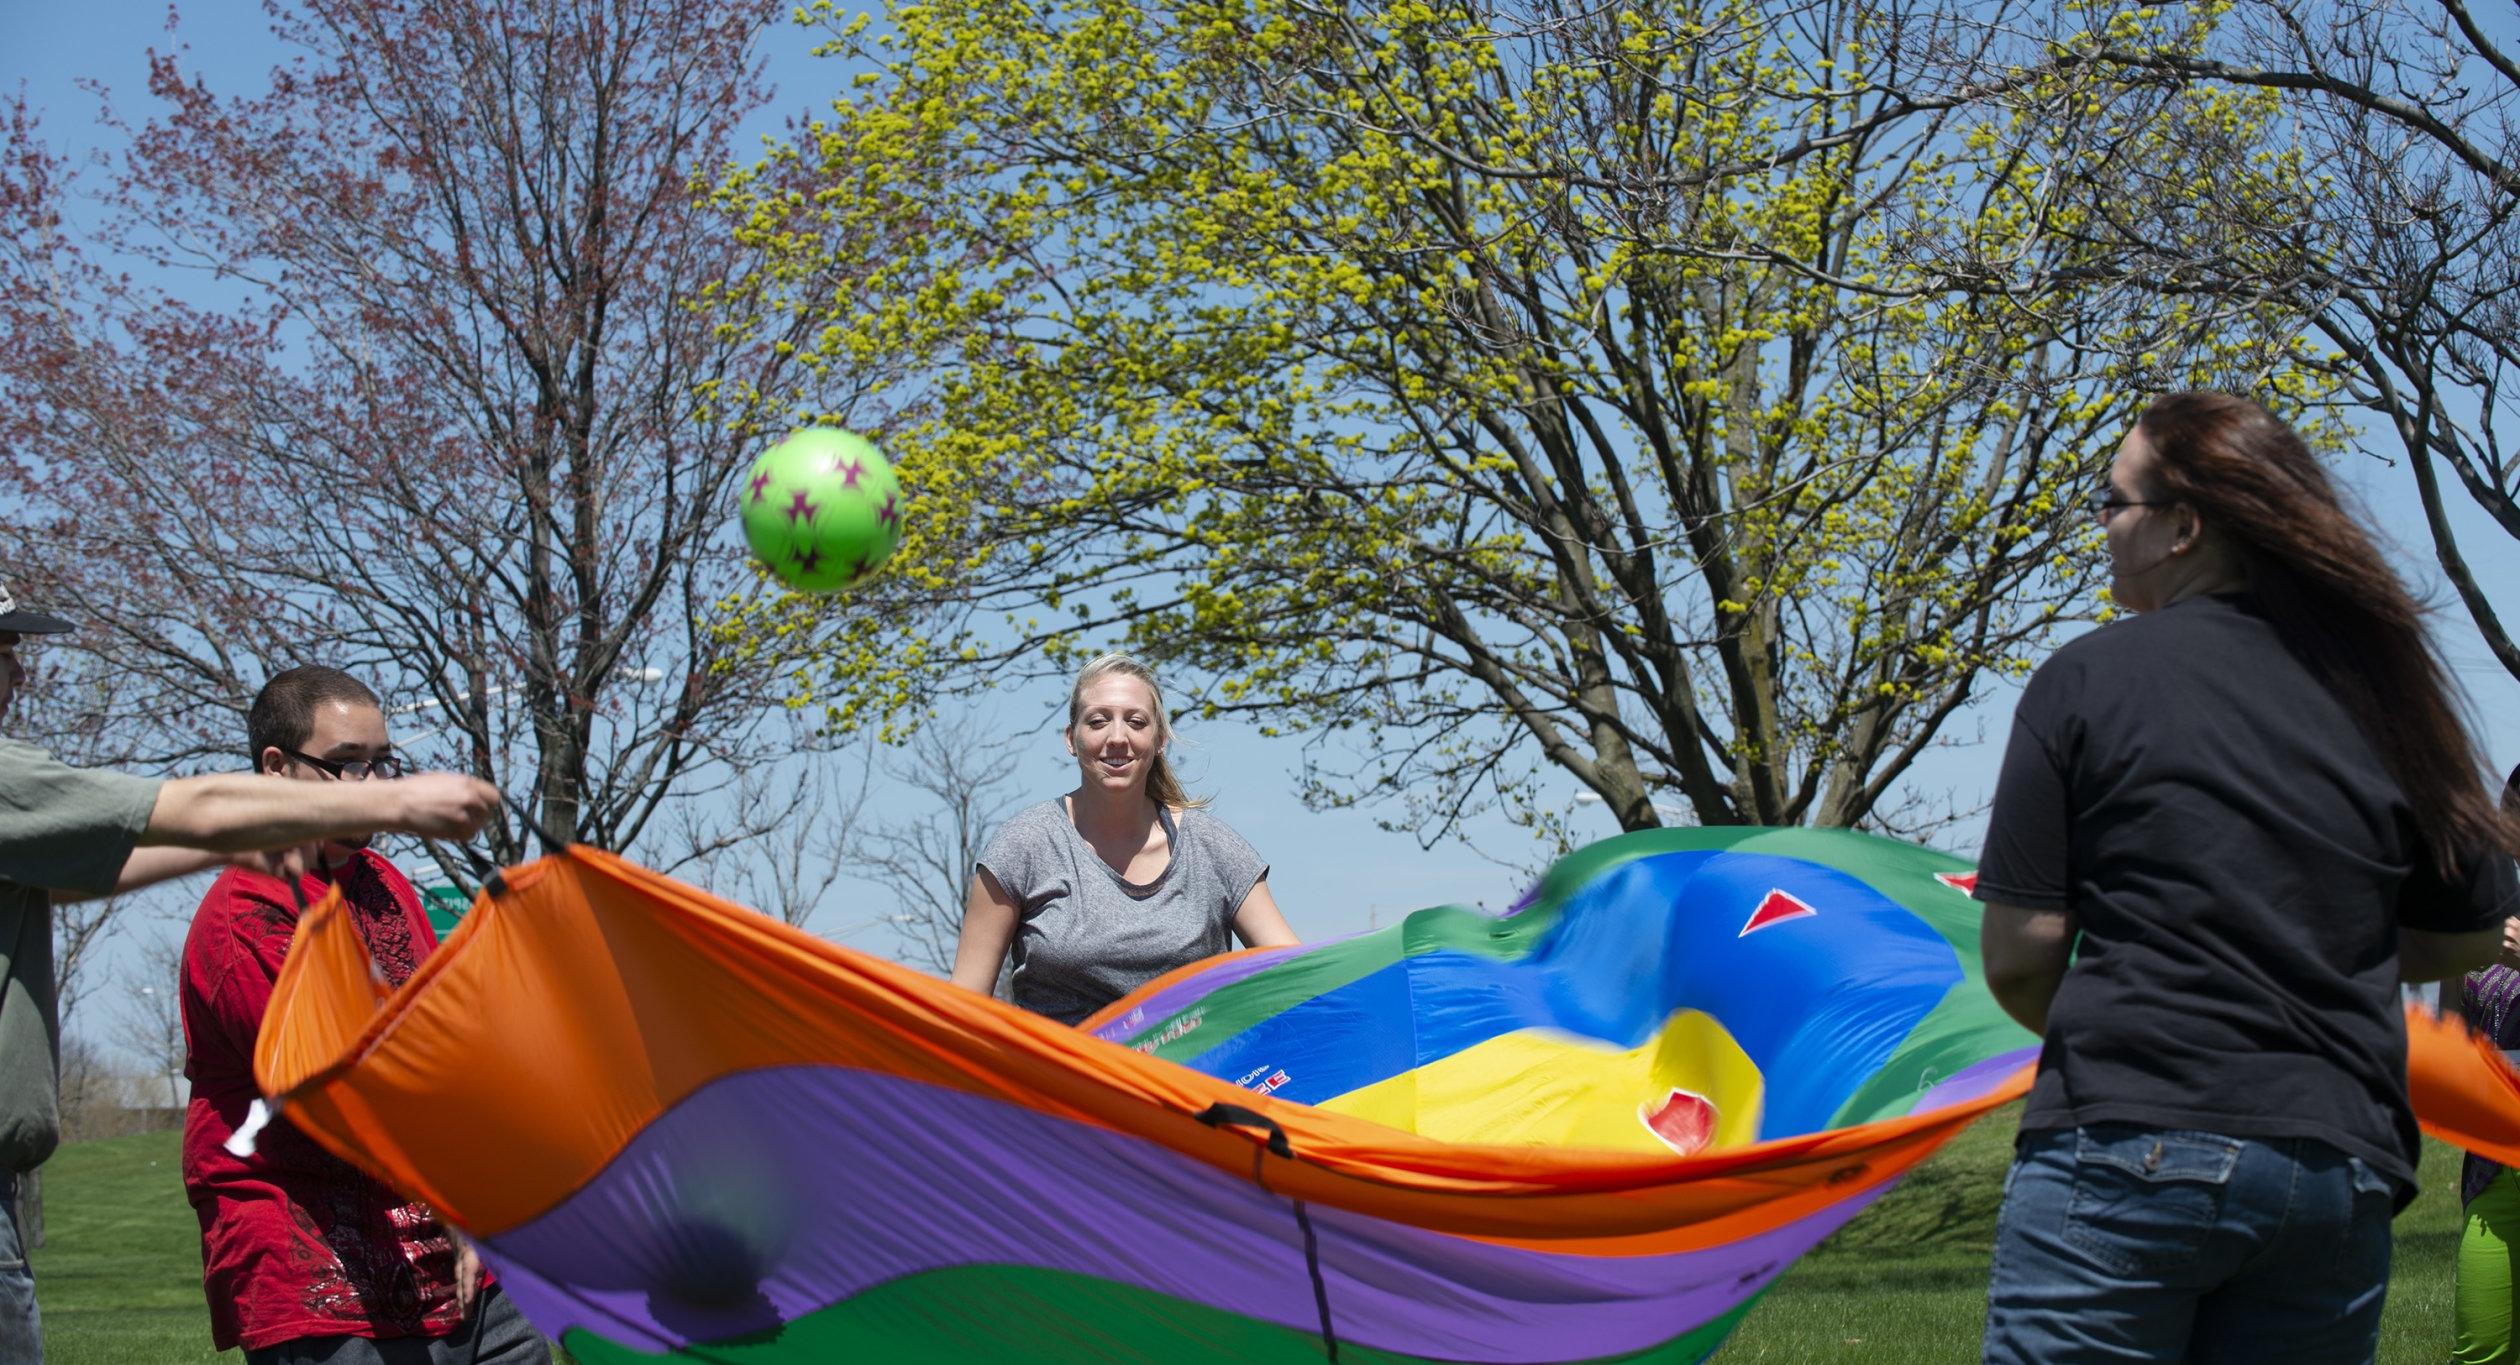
x: 1125, y: 878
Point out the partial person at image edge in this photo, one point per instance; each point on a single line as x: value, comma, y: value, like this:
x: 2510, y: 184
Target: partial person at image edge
x: 2487, y: 1291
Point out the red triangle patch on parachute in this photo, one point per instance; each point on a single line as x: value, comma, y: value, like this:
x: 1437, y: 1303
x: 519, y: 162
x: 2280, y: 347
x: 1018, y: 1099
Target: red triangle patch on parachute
x: 1963, y: 882
x: 1775, y: 909
x: 1685, y: 1121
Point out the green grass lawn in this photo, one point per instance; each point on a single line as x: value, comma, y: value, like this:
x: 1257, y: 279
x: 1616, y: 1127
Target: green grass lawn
x: 119, y: 1276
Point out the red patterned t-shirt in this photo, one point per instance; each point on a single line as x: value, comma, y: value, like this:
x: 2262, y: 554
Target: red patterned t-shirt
x: 296, y: 1242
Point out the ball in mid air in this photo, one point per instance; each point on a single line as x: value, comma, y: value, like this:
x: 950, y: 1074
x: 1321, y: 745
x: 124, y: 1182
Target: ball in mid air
x: 822, y: 509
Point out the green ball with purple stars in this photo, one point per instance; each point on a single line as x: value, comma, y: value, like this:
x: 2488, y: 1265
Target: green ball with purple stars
x: 822, y: 509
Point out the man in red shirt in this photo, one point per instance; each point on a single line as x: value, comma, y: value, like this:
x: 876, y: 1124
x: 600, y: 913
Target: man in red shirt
x: 304, y: 1257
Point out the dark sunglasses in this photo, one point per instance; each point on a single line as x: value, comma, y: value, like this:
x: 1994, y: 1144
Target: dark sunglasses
x: 354, y: 769
x: 2101, y: 501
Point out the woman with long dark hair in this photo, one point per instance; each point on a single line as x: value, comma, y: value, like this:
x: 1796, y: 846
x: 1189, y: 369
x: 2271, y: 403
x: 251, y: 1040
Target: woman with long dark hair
x: 2227, y: 828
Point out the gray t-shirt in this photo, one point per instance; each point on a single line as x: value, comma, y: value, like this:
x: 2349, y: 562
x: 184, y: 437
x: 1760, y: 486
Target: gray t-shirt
x: 65, y: 827
x: 1087, y: 936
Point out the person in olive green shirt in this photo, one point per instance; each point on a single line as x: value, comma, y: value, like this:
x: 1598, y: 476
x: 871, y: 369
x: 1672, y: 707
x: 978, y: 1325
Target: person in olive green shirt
x: 72, y: 833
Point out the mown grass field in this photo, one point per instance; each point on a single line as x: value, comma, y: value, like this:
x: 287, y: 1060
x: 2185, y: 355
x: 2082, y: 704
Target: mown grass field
x: 119, y: 1276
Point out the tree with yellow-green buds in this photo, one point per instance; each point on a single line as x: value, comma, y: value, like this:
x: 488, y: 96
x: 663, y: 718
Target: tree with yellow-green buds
x: 1692, y: 398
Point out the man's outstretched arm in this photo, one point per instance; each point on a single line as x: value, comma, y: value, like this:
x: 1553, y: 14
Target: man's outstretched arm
x: 196, y: 823
x: 242, y: 812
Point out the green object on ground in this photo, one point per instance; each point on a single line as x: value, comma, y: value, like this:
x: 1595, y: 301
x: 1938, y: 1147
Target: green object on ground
x: 2482, y: 1312
x: 821, y: 509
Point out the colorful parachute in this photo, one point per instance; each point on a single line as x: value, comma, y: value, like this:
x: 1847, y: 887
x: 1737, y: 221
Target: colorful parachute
x: 1595, y: 1127
x: 1670, y: 991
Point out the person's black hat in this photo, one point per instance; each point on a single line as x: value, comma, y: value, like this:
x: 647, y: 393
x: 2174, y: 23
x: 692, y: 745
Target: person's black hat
x: 19, y: 620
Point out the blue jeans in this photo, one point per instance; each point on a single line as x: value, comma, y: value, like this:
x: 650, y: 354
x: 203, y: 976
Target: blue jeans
x: 496, y: 1335
x: 21, y: 1332
x: 2124, y: 1243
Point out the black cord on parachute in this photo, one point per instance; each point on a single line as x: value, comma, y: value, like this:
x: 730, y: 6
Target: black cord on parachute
x: 1221, y: 1115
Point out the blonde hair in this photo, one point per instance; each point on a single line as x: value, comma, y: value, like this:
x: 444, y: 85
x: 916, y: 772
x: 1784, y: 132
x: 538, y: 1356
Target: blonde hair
x: 1161, y: 784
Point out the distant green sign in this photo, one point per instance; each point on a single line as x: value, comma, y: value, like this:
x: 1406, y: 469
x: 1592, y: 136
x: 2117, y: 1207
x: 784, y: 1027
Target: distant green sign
x: 446, y: 907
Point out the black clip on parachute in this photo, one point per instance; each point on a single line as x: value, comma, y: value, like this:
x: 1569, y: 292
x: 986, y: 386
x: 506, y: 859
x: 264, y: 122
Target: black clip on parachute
x: 1235, y: 1116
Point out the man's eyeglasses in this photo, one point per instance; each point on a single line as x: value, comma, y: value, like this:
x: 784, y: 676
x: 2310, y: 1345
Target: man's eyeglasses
x: 354, y: 769
x: 2101, y: 501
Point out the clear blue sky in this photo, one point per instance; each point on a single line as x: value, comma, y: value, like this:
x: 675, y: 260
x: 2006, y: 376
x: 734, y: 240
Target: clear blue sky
x: 1331, y: 872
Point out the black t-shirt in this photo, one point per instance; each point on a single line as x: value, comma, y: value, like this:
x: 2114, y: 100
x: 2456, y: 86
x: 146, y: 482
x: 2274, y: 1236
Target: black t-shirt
x: 2238, y: 861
